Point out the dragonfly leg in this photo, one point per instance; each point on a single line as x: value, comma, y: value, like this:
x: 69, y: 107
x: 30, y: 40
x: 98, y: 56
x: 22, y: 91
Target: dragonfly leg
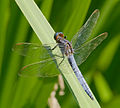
x: 62, y: 60
x: 54, y: 47
x: 58, y: 55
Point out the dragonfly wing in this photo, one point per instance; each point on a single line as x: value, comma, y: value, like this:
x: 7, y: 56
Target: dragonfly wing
x: 34, y: 50
x: 46, y: 68
x: 83, y: 34
x: 85, y: 50
x: 29, y: 49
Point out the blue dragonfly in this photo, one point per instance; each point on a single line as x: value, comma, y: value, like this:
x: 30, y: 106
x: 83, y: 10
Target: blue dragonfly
x: 76, y: 51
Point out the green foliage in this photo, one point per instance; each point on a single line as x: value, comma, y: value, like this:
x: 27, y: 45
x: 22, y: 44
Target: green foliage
x: 101, y: 68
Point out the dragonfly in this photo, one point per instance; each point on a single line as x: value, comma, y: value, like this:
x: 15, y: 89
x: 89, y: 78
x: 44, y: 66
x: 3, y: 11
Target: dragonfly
x: 76, y: 52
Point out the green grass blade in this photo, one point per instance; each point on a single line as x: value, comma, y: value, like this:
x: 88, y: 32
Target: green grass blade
x: 46, y: 8
x: 77, y: 12
x: 105, y: 13
x: 7, y: 76
x: 110, y: 49
x: 102, y: 85
x: 45, y: 33
x: 37, y: 22
x: 70, y: 17
x: 4, y: 16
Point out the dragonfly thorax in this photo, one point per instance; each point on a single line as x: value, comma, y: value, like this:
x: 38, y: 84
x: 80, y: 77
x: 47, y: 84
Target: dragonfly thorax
x: 68, y: 49
x: 60, y: 38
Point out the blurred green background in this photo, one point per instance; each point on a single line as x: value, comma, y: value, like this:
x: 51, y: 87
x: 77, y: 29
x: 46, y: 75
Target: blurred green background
x: 101, y: 69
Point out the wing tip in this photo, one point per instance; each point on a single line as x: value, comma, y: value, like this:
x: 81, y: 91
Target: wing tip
x: 104, y: 34
x: 17, y: 44
x: 96, y: 12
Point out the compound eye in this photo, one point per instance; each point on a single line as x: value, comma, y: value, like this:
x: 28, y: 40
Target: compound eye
x: 61, y: 34
x: 56, y: 35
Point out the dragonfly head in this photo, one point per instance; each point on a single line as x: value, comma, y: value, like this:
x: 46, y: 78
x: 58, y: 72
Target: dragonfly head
x: 59, y: 34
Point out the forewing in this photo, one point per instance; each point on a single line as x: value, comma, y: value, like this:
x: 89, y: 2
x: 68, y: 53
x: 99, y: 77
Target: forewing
x: 85, y: 50
x: 46, y: 68
x: 34, y: 50
x: 83, y: 34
